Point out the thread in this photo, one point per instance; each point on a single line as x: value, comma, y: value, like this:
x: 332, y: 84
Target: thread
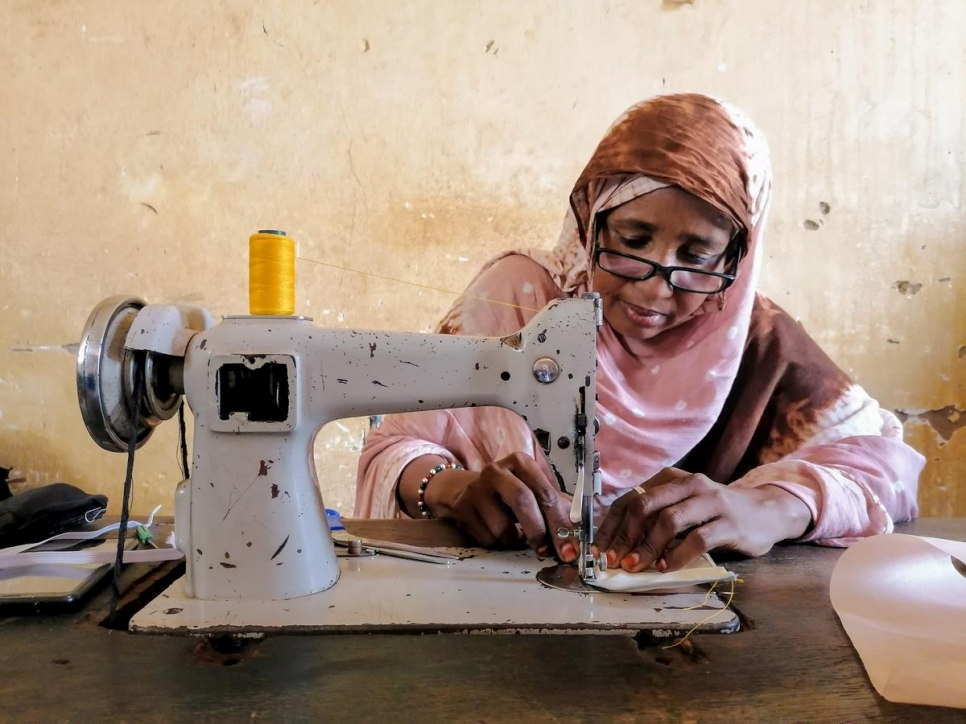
x: 725, y: 607
x: 271, y: 273
x: 417, y: 284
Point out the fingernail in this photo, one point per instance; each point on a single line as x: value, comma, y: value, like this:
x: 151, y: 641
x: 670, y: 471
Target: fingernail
x: 661, y: 565
x: 632, y: 560
x: 568, y: 552
x: 543, y: 551
x: 611, y: 558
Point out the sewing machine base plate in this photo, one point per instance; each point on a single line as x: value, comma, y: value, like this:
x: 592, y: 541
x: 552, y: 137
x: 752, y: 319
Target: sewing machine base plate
x: 491, y: 592
x: 564, y: 577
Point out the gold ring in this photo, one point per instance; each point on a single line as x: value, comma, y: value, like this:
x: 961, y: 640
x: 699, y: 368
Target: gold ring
x: 639, y: 490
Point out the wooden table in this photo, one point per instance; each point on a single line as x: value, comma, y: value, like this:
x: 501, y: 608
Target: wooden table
x: 792, y: 662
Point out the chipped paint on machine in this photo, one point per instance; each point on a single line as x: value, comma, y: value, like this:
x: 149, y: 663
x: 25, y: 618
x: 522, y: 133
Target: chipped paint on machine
x: 260, y: 387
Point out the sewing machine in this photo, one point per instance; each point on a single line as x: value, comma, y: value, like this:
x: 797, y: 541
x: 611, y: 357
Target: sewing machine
x: 250, y: 519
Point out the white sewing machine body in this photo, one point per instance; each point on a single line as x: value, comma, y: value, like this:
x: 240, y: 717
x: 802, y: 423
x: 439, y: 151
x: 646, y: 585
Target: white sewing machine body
x: 250, y: 519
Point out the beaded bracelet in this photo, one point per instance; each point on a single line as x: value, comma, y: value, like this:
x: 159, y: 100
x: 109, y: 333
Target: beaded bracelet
x: 421, y: 496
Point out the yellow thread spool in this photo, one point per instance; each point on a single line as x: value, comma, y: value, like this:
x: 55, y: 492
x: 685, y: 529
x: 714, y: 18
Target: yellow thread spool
x: 271, y: 273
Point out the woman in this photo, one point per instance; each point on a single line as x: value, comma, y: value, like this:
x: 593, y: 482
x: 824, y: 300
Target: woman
x: 728, y: 425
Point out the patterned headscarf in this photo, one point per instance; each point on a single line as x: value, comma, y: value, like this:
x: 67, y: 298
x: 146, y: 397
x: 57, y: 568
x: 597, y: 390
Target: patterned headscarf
x: 656, y: 406
x: 697, y: 143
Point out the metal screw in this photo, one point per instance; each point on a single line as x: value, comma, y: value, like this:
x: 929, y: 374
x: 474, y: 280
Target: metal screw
x: 546, y: 370
x: 602, y: 561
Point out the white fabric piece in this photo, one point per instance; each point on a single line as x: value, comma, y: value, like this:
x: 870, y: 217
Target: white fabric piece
x: 700, y: 570
x: 83, y: 558
x: 902, y: 602
x: 24, y: 555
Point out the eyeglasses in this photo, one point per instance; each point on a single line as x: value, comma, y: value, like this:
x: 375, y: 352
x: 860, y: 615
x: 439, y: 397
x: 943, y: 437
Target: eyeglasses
x: 682, y: 278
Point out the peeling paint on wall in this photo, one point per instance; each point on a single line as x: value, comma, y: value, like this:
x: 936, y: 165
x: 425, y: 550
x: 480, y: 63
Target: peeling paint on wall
x: 945, y: 421
x: 907, y: 288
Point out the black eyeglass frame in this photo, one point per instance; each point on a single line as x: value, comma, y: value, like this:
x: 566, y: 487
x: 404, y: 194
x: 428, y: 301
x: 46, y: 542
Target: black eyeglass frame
x: 666, y: 271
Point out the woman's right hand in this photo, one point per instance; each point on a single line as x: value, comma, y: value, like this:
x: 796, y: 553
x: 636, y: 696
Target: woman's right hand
x: 506, y: 504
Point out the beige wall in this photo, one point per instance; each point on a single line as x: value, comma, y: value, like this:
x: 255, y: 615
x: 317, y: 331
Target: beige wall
x: 143, y: 142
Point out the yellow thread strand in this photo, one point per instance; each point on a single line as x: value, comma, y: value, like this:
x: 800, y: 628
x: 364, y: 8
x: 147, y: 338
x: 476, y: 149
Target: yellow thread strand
x: 416, y: 284
x: 706, y: 597
x: 271, y: 274
x: 727, y: 605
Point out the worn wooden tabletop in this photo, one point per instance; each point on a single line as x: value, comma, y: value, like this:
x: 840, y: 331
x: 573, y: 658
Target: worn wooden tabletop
x: 792, y: 662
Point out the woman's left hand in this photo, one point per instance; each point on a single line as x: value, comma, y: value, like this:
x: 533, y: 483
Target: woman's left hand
x: 680, y: 516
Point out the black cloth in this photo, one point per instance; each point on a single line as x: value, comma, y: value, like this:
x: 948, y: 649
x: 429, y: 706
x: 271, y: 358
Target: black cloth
x: 39, y: 513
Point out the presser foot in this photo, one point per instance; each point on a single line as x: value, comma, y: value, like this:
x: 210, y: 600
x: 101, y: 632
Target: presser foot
x: 574, y: 578
x: 563, y: 577
x: 592, y: 566
x: 589, y: 566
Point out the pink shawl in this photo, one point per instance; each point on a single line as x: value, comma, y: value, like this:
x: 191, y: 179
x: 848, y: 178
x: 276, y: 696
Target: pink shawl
x: 658, y: 407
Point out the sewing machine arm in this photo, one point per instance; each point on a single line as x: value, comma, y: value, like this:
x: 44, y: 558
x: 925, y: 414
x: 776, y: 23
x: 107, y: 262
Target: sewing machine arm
x: 250, y: 519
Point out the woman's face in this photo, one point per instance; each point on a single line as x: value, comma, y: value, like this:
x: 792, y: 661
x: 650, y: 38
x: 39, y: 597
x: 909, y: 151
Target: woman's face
x: 672, y: 228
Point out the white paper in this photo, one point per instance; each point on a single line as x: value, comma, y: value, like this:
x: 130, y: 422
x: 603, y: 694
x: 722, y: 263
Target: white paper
x: 700, y: 570
x: 903, y: 605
